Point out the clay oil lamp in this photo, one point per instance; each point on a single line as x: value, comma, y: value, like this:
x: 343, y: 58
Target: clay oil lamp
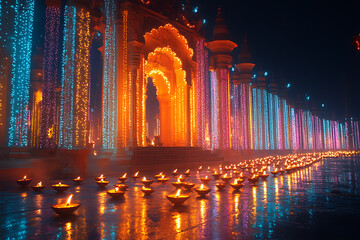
x: 65, y: 208
x: 175, y: 172
x: 163, y: 179
x: 236, y: 184
x: 226, y: 178
x: 136, y: 175
x: 253, y: 179
x: 281, y: 170
x: 188, y: 185
x: 122, y: 187
x: 100, y: 177
x: 187, y: 173
x: 216, y: 175
x: 236, y: 173
x: 202, y: 191
x: 177, y: 198
x: 158, y: 175
x: 220, y: 185
x: 275, y: 172
x: 24, y: 181
x: 177, y: 184
x: 77, y: 180
x: 200, y: 169
x: 38, y: 187
x: 147, y: 191
x: 60, y: 187
x: 205, y: 179
x: 264, y: 175
x: 102, y: 183
x: 147, y: 182
x: 115, y: 193
x: 181, y: 178
x: 123, y: 178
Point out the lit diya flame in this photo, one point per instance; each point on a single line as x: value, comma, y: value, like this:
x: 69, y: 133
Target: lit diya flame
x: 136, y: 174
x: 38, y: 187
x: 39, y: 184
x: 77, y: 180
x: 175, y: 172
x: 202, y: 191
x: 177, y: 198
x: 24, y: 181
x: 115, y: 193
x: 178, y: 193
x: 65, y: 208
x: 236, y: 185
x: 102, y: 183
x: 147, y: 191
x: 144, y: 179
x: 124, y: 175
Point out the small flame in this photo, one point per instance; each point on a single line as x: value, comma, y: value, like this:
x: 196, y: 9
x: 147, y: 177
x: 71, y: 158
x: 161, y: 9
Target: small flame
x: 69, y: 200
x: 124, y: 175
x: 264, y: 172
x: 143, y: 187
x: 24, y: 177
x: 225, y: 175
x: 175, y: 171
x: 78, y: 178
x: 206, y: 177
x: 101, y: 176
x: 59, y: 183
x: 178, y: 193
x: 144, y: 179
x: 235, y: 181
x: 200, y: 167
x: 202, y: 187
x: 187, y: 171
x: 116, y: 189
x: 162, y: 176
x: 137, y: 173
x: 275, y: 170
x: 39, y: 184
x: 215, y: 172
x: 178, y: 179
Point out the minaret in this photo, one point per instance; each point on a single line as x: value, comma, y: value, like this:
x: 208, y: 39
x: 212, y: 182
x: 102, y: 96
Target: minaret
x: 244, y: 68
x: 221, y: 58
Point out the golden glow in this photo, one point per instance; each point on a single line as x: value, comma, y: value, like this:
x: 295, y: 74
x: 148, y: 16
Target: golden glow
x: 69, y: 200
x: 178, y: 193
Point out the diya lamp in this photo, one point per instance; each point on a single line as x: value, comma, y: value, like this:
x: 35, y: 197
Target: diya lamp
x: 226, y: 178
x: 187, y: 173
x: 181, y: 178
x: 147, y: 182
x: 236, y: 173
x: 220, y: 185
x: 177, y: 198
x: 38, y: 187
x: 100, y: 177
x: 60, y: 187
x: 205, y: 179
x: 275, y: 172
x: 281, y: 170
x: 264, y: 175
x: 236, y: 184
x: 123, y: 178
x: 188, y: 185
x: 78, y: 180
x: 163, y: 179
x: 24, y: 181
x: 216, y: 175
x: 136, y: 175
x: 115, y: 193
x: 122, y: 187
x: 65, y: 208
x: 175, y: 172
x: 147, y: 191
x: 158, y: 175
x: 202, y: 191
x: 253, y: 179
x: 177, y: 184
x: 199, y: 169
x: 102, y: 183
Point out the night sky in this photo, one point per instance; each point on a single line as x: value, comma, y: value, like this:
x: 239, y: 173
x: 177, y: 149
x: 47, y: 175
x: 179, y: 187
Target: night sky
x: 307, y: 43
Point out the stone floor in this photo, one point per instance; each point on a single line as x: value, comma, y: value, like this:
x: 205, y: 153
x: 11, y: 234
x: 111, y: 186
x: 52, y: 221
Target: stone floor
x: 320, y: 202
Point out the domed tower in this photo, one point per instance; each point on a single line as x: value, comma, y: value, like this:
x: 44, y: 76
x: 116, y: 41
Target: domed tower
x: 244, y: 73
x: 221, y: 48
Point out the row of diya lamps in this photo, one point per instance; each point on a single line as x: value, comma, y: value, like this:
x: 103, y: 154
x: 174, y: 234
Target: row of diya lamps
x: 291, y: 163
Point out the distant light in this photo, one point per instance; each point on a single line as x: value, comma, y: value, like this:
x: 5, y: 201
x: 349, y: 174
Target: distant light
x: 204, y: 21
x: 196, y: 9
x: 254, y: 76
x: 265, y: 74
x: 288, y: 85
x: 322, y: 105
x: 308, y: 98
x: 232, y: 69
x: 183, y: 6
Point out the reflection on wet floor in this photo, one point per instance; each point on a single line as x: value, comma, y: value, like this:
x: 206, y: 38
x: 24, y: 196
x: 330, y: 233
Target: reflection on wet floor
x: 268, y: 210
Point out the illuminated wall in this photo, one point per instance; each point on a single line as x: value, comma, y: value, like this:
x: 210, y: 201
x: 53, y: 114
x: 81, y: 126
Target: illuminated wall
x: 48, y: 104
x: 20, y: 81
x: 109, y: 78
x: 74, y: 112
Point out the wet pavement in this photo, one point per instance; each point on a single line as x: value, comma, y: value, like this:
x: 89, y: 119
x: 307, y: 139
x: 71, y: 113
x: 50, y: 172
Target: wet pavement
x: 319, y: 202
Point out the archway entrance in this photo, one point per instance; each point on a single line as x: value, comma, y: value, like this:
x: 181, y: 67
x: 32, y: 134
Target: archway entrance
x: 165, y: 69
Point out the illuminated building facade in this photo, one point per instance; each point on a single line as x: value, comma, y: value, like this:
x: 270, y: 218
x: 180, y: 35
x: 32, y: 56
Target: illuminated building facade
x: 202, y: 103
